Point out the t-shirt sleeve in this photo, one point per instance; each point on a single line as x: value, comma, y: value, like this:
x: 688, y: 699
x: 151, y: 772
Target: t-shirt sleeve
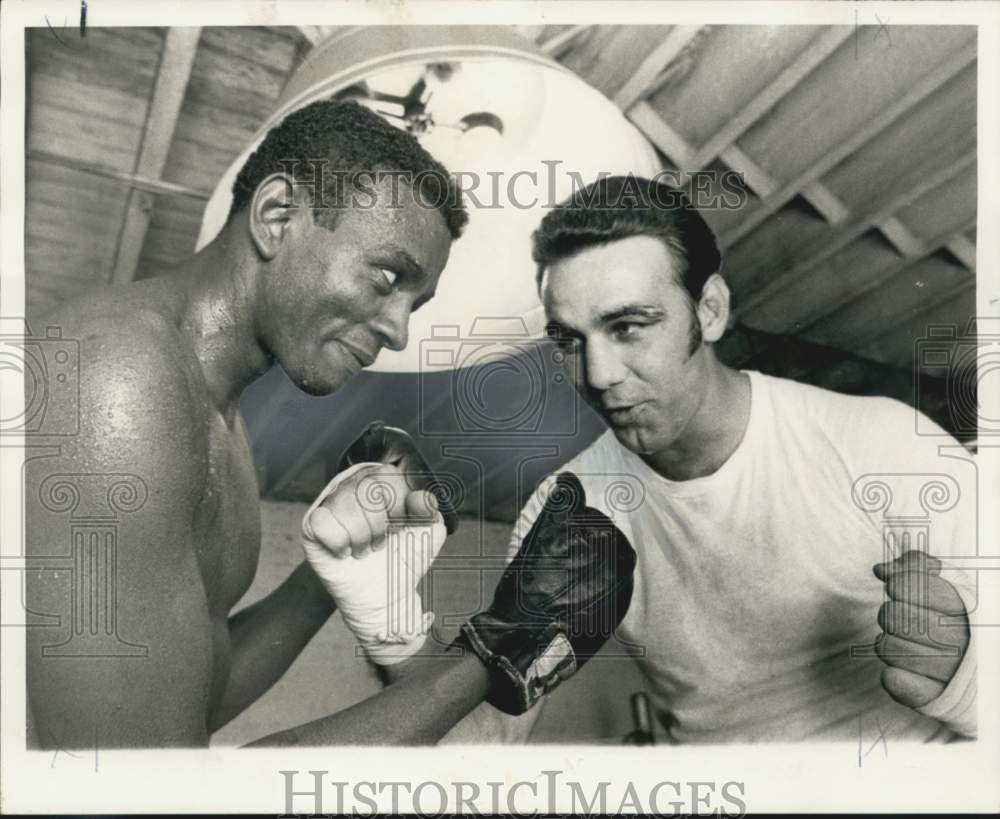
x: 919, y: 486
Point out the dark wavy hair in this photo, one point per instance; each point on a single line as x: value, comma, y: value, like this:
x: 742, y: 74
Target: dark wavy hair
x: 350, y: 142
x: 619, y: 207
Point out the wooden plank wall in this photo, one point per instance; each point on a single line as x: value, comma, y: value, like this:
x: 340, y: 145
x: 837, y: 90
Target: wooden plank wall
x: 89, y: 104
x: 89, y: 101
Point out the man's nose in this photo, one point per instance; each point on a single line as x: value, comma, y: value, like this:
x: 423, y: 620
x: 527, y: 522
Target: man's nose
x: 393, y: 324
x: 604, y: 368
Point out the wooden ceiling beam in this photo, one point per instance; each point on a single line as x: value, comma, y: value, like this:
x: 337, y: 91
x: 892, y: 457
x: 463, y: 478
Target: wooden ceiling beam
x: 314, y: 34
x: 560, y: 43
x: 165, y: 104
x: 657, y: 131
x: 815, y: 53
x: 862, y: 340
x: 871, y: 344
x: 879, y: 277
x: 964, y: 251
x: 803, y: 323
x: 142, y: 183
x: 899, y: 235
x: 808, y: 185
x: 858, y: 223
x: 646, y: 75
x: 801, y: 183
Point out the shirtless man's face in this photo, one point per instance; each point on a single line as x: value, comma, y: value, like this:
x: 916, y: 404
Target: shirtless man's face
x: 331, y: 299
x: 627, y: 323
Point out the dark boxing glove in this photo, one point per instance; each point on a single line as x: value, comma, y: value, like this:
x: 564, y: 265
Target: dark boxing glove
x: 559, y: 600
x: 390, y: 445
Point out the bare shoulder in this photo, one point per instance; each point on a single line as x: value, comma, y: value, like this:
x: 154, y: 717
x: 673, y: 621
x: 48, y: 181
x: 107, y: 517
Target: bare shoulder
x: 141, y: 400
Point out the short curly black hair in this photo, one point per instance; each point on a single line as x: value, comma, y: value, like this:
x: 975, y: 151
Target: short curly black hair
x: 619, y: 207
x: 348, y: 141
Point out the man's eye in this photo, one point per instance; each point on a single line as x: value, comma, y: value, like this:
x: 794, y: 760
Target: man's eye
x: 626, y: 330
x: 389, y: 275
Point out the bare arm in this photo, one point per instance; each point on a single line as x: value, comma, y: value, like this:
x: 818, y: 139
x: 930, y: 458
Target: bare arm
x: 128, y: 659
x: 484, y: 724
x: 267, y: 636
x: 417, y: 711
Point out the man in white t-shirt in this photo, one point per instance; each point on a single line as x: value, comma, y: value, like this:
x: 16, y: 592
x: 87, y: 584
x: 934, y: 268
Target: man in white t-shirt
x: 784, y: 586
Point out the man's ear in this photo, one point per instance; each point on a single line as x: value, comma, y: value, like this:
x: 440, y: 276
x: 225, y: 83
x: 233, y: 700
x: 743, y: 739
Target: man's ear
x: 713, y: 308
x: 276, y: 202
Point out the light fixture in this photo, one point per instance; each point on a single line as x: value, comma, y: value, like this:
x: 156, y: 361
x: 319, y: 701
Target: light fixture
x: 521, y: 130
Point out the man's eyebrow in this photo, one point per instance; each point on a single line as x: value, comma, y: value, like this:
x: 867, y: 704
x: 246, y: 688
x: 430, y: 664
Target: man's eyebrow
x: 402, y: 258
x: 649, y: 311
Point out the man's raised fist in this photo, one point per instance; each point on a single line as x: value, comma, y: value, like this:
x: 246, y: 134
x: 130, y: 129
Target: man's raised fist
x: 390, y: 445
x: 922, y: 653
x: 561, y: 597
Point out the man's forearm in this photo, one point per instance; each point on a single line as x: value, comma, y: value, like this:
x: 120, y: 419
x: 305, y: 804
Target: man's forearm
x: 417, y: 710
x: 266, y: 638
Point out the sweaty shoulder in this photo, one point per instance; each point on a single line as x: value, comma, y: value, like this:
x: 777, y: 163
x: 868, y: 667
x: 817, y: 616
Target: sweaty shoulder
x: 141, y: 403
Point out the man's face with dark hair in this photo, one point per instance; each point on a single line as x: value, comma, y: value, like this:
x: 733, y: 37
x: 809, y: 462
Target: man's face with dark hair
x: 334, y: 298
x: 628, y: 327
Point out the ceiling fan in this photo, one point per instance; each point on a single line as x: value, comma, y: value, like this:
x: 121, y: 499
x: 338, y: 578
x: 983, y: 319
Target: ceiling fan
x: 411, y: 109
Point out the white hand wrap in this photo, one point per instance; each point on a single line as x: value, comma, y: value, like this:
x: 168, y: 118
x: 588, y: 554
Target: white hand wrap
x: 377, y: 592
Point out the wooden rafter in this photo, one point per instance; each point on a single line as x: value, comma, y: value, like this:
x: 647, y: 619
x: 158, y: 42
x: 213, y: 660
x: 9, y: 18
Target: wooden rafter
x: 874, y: 215
x: 964, y: 250
x: 880, y: 277
x: 872, y: 342
x: 164, y: 108
x: 744, y: 354
x: 863, y: 339
x: 901, y: 237
x: 141, y: 183
x: 657, y: 131
x: 815, y: 53
x: 314, y: 34
x: 808, y: 185
x: 802, y: 183
x: 559, y: 43
x: 646, y: 75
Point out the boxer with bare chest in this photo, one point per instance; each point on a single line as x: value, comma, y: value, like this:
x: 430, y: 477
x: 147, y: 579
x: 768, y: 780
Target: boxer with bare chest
x: 162, y: 366
x: 163, y: 363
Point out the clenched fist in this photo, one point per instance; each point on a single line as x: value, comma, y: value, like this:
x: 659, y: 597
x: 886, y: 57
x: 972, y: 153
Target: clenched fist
x: 560, y: 599
x: 371, y: 540
x: 922, y: 652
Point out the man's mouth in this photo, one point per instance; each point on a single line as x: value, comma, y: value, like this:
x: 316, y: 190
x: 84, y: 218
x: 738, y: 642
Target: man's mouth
x: 364, y: 358
x: 621, y: 414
